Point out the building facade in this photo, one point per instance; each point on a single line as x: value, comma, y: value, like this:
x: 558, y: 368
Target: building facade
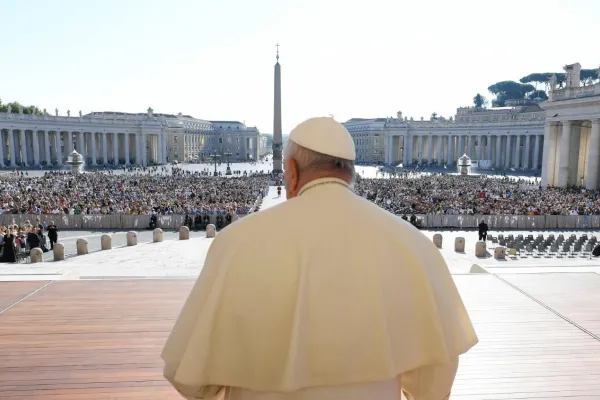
x: 508, y: 137
x: 572, y: 133
x: 115, y: 138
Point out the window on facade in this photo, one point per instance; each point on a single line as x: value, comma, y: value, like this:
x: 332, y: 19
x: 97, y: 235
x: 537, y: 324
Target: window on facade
x: 175, y: 139
x: 220, y: 140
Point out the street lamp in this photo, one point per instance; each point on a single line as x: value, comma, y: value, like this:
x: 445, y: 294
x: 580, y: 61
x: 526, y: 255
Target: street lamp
x: 214, y: 157
x: 228, y: 171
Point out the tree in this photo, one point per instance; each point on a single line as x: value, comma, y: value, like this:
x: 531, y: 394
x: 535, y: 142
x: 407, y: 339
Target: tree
x: 588, y: 76
x: 509, y: 90
x: 434, y: 116
x: 480, y: 101
x: 15, y: 105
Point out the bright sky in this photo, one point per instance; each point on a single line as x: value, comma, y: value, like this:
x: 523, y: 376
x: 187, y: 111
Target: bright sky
x: 349, y: 58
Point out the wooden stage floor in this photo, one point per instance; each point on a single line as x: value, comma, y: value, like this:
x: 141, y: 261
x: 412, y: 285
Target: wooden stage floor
x: 101, y: 339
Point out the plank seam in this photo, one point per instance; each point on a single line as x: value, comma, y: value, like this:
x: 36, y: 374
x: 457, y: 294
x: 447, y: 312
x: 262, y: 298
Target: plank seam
x: 547, y: 307
x: 24, y: 298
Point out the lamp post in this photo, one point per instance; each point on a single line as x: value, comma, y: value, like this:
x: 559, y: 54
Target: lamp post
x: 214, y: 157
x: 228, y: 171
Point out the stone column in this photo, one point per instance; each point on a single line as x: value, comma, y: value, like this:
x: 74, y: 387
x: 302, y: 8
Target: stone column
x: 420, y: 150
x: 388, y: 158
x: 93, y: 148
x: 536, y: 152
x: 47, y: 155
x: 440, y: 149
x: 161, y: 151
x: 480, y: 148
x: 451, y: 141
x: 517, y: 161
x: 471, y: 147
x: 565, y: 149
x: 498, y: 163
x: 488, y: 145
x: 126, y: 135
x: 69, y: 150
x: 59, y: 153
x: 23, y: 147
x: 593, y: 156
x: 144, y: 149
x: 81, y: 145
x: 429, y: 149
x: 115, y: 143
x: 507, y: 152
x: 461, y: 146
x: 104, y: 149
x: 137, y: 150
x: 11, y: 148
x: 526, y: 152
x: 548, y: 155
x: 407, y: 153
x: 2, y: 147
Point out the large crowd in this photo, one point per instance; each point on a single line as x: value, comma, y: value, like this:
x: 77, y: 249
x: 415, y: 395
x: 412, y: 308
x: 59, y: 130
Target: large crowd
x: 176, y: 191
x: 418, y: 193
x: 139, y: 193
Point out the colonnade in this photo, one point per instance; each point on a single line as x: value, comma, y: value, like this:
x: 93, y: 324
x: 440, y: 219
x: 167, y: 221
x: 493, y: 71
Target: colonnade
x: 34, y: 147
x: 572, y: 154
x: 520, y: 151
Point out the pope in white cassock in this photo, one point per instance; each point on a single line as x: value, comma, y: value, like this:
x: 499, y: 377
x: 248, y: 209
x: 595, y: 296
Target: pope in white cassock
x: 323, y: 297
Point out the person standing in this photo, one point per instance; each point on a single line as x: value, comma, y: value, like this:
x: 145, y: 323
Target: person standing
x: 52, y: 234
x: 285, y: 311
x: 483, y: 230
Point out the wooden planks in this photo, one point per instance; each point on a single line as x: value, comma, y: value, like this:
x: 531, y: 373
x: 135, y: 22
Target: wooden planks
x: 90, y: 340
x: 12, y: 292
x: 76, y: 340
x: 525, y: 350
x: 576, y: 296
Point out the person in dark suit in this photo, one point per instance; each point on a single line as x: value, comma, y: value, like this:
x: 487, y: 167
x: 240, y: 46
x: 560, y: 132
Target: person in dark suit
x: 483, y: 230
x: 52, y: 234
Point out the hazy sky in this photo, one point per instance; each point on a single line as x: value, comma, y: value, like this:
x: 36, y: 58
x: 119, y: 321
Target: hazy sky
x: 214, y: 59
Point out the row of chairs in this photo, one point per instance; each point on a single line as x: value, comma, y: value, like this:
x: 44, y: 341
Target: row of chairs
x: 546, y: 246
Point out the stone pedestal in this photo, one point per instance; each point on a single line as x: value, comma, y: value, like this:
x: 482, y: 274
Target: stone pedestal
x: 82, y: 246
x: 131, y: 238
x: 184, y: 233
x: 459, y: 244
x: 437, y: 240
x: 59, y: 252
x: 480, y: 249
x: 36, y: 255
x: 500, y: 253
x: 157, y: 235
x: 106, y: 242
x: 211, y: 231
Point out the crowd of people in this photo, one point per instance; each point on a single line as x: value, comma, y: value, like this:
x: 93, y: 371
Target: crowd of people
x: 18, y: 240
x: 419, y: 193
x: 159, y: 191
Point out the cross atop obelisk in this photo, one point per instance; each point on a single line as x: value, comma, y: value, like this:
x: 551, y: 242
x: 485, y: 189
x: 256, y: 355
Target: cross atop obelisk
x: 277, y: 135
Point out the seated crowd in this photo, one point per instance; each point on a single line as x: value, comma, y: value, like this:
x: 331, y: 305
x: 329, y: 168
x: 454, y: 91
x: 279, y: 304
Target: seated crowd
x: 417, y: 193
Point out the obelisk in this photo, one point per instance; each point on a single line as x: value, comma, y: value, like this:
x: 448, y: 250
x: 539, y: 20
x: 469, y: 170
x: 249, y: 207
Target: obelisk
x: 277, y: 136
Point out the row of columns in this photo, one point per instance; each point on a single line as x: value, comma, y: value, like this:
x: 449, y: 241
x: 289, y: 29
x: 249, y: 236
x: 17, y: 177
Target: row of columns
x: 502, y: 151
x: 24, y: 147
x: 572, y: 154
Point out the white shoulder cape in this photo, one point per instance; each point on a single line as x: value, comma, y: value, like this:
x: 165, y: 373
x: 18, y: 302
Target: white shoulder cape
x: 305, y: 294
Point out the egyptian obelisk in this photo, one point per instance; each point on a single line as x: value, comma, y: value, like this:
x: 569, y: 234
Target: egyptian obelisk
x: 277, y: 137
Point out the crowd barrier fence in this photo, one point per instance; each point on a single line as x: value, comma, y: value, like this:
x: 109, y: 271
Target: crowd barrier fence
x: 430, y: 221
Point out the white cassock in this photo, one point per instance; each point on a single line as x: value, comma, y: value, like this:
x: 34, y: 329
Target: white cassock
x: 323, y: 297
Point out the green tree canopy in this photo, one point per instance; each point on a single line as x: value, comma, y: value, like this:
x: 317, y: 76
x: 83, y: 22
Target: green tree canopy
x: 537, y: 94
x: 480, y: 101
x: 509, y: 90
x: 15, y: 105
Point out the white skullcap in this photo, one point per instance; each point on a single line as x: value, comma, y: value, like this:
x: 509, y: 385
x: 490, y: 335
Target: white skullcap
x: 326, y: 136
